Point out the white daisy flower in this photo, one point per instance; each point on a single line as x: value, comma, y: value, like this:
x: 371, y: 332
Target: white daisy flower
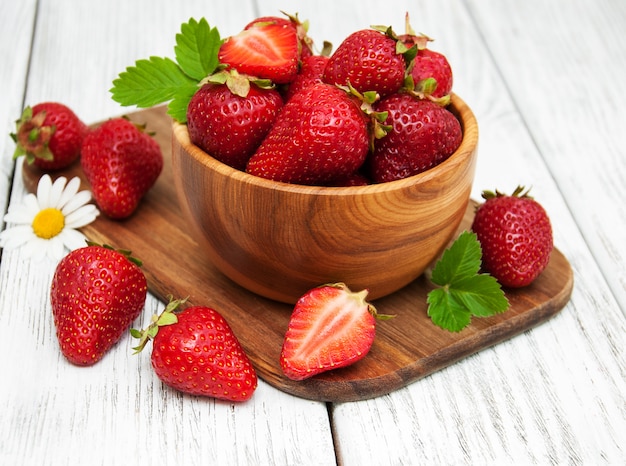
x: 45, y: 224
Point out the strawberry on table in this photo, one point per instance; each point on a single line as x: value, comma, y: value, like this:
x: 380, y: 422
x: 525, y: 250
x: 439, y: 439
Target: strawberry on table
x: 121, y: 162
x: 423, y: 134
x: 265, y: 50
x: 96, y: 293
x: 330, y: 327
x: 229, y: 120
x: 50, y: 135
x: 195, y: 351
x: 320, y: 135
x: 369, y: 60
x: 515, y: 234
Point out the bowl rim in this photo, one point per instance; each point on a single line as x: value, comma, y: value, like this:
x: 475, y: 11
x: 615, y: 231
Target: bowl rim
x: 468, y: 144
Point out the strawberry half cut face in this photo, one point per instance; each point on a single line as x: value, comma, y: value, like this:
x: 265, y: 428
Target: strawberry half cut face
x: 267, y: 50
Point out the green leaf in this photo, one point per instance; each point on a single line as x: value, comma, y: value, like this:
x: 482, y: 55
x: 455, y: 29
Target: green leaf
x: 458, y: 262
x: 151, y: 82
x: 197, y: 47
x: 481, y: 294
x: 463, y: 292
x: 446, y: 312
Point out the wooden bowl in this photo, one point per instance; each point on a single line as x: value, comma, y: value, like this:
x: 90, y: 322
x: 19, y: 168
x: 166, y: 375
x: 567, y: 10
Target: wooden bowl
x: 279, y: 240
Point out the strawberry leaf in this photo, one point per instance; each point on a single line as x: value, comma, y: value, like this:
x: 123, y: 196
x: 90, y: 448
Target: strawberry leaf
x: 463, y: 292
x: 158, y: 80
x: 197, y: 46
x: 150, y: 82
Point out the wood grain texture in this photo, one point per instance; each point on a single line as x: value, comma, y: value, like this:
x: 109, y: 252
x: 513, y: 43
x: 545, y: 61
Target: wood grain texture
x: 406, y: 348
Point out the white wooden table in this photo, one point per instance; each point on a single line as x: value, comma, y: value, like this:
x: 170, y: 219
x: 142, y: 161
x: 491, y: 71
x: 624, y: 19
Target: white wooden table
x: 545, y: 80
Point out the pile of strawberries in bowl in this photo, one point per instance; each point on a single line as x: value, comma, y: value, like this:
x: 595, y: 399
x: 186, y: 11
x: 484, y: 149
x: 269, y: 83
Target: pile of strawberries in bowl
x: 374, y: 110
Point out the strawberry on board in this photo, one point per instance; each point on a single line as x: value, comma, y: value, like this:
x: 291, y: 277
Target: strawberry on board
x: 121, y: 162
x: 330, y: 327
x: 515, y: 235
x: 423, y: 134
x: 195, y: 351
x: 50, y: 135
x: 96, y: 293
x: 320, y: 135
x: 369, y: 60
x: 267, y: 50
x: 229, y: 120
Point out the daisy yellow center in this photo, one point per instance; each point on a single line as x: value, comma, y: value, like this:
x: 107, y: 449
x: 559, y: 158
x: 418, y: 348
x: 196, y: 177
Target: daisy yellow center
x: 48, y: 223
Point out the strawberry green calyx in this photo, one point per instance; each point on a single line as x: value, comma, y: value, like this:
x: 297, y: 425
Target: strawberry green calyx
x: 32, y: 137
x: 167, y: 317
x: 237, y: 83
x: 377, y: 127
x: 520, y: 191
x: 408, y: 53
x: 124, y: 252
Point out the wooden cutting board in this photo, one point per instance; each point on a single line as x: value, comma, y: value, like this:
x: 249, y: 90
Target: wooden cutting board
x: 406, y: 348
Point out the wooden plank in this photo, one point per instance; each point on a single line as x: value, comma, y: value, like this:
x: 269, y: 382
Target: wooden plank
x: 15, y: 42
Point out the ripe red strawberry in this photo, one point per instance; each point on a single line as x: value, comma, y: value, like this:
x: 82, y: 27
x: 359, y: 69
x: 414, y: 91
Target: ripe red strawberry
x: 321, y: 134
x: 96, y: 293
x: 230, y: 127
x: 431, y: 64
x: 423, y: 134
x: 515, y: 235
x: 311, y: 71
x: 264, y: 50
x: 195, y: 351
x: 305, y: 42
x: 369, y: 61
x: 330, y: 327
x: 122, y: 163
x: 49, y: 135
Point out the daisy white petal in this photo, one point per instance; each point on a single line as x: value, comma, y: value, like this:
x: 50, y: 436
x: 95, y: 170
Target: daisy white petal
x: 56, y: 192
x: 19, y: 216
x: 77, y: 201
x: 55, y: 249
x: 43, y: 191
x: 72, y: 239
x: 15, y: 237
x: 82, y: 216
x: 69, y: 192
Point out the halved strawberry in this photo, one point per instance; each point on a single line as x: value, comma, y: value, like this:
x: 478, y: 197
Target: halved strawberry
x: 264, y: 50
x: 330, y: 327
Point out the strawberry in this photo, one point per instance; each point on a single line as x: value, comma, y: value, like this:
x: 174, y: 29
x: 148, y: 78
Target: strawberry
x: 369, y: 61
x: 515, y: 235
x: 305, y: 42
x: 321, y: 134
x: 427, y: 64
x: 231, y: 125
x: 422, y: 135
x: 265, y: 50
x: 430, y: 64
x: 330, y: 327
x: 195, y: 351
x: 122, y: 163
x: 96, y: 293
x: 50, y: 135
x: 311, y: 71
